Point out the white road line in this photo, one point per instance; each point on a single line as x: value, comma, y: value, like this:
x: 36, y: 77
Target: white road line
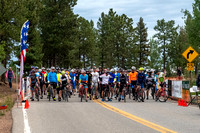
x: 26, y: 124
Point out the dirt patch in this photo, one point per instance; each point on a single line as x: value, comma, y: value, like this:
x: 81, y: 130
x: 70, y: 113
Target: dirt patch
x: 7, y: 97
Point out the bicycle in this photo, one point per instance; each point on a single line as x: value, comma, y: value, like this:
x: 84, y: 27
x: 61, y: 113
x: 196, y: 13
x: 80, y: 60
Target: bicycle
x: 50, y: 92
x: 162, y: 94
x: 106, y: 91
x: 151, y: 93
x: 82, y: 92
x: 140, y: 94
x: 65, y: 93
x: 37, y: 93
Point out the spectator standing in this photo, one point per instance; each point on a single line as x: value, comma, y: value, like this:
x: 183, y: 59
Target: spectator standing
x: 10, y: 75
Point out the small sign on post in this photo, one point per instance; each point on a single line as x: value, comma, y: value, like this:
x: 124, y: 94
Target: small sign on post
x: 190, y: 66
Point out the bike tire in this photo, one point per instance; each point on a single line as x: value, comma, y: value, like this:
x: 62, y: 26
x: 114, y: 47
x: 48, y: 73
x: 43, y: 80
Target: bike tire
x: 163, y: 98
x: 124, y: 96
x: 66, y: 98
x: 50, y: 94
x: 81, y: 98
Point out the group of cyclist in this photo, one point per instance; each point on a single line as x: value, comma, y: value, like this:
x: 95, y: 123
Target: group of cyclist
x: 97, y: 83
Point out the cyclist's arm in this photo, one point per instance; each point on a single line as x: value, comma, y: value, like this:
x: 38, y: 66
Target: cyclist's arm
x: 86, y: 79
x: 29, y: 81
x: 48, y: 77
x: 56, y: 79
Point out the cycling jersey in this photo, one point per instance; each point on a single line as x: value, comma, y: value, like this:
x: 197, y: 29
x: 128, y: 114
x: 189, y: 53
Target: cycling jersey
x: 117, y: 77
x: 83, y: 79
x: 52, y: 77
x: 105, y: 78
x: 43, y: 72
x: 111, y: 80
x: 132, y: 76
x: 89, y: 77
x: 33, y: 78
x: 140, y: 78
x: 150, y: 80
x: 95, y: 76
x: 63, y: 79
x: 122, y: 79
x: 58, y: 76
x: 161, y: 77
x: 72, y: 76
x: 100, y: 73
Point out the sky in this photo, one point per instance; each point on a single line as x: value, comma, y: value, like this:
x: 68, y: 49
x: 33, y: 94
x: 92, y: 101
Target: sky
x: 150, y: 10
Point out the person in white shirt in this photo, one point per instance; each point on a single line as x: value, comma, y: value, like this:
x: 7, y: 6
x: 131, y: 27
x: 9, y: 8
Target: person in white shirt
x: 95, y: 77
x: 105, y: 81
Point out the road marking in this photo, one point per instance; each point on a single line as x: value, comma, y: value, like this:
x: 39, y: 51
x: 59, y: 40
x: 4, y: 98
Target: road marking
x: 135, y: 118
x: 26, y: 124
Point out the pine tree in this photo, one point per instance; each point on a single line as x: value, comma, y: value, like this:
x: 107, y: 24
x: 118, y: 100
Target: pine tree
x: 144, y: 48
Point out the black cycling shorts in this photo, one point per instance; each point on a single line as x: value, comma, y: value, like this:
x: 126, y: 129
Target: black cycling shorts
x: 133, y: 82
x: 149, y: 86
x: 111, y: 85
x: 105, y: 87
x: 54, y: 85
x: 122, y: 87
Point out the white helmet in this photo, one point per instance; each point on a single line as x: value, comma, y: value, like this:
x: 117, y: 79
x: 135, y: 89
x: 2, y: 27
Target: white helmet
x: 52, y: 67
x: 112, y: 70
x: 82, y: 71
x: 72, y: 70
x: 133, y: 68
x: 40, y: 70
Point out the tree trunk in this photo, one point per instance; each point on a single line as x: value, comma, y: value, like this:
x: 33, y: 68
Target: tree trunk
x: 164, y: 60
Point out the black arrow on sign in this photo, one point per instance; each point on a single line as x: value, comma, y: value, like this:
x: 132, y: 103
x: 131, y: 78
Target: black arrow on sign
x: 191, y: 52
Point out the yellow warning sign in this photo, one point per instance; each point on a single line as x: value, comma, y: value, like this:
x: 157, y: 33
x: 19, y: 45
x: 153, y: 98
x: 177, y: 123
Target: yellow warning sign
x: 190, y: 54
x: 190, y: 66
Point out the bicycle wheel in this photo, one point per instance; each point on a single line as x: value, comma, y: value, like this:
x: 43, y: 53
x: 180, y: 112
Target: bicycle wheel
x: 66, y: 96
x: 50, y: 93
x: 124, y: 96
x: 163, y: 96
x: 129, y: 91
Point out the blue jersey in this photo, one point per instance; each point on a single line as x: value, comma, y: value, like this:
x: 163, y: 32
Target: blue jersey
x: 141, y: 78
x: 83, y: 78
x: 72, y: 75
x: 117, y: 77
x: 111, y: 79
x: 52, y: 77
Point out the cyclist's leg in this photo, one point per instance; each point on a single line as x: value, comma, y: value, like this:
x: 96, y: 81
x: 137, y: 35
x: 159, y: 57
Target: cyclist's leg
x: 148, y: 87
x: 86, y: 90
x: 108, y: 92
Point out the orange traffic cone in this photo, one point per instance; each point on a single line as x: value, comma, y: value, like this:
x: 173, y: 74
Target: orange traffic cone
x: 184, y: 103
x: 179, y: 102
x: 26, y: 104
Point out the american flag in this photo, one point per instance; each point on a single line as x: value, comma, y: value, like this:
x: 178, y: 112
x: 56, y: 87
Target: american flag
x: 24, y: 35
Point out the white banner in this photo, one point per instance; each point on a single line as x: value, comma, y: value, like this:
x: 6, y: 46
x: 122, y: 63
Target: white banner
x: 177, y: 89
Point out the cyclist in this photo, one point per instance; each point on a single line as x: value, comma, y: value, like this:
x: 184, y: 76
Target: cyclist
x: 100, y: 79
x: 83, y: 80
x: 95, y: 77
x: 117, y: 83
x: 133, y: 80
x: 111, y: 82
x: 45, y: 80
x: 72, y: 81
x: 44, y: 85
x: 141, y: 79
x: 40, y: 76
x: 150, y: 83
x: 64, y: 80
x: 122, y: 84
x: 77, y: 78
x: 105, y: 80
x: 41, y: 79
x: 33, y: 79
x: 52, y: 79
x: 160, y: 82
x: 89, y: 83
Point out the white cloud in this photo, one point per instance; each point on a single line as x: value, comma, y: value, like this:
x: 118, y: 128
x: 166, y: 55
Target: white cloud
x: 150, y: 10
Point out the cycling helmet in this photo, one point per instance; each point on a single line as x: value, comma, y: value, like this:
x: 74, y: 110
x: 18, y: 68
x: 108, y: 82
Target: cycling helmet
x: 48, y: 69
x: 63, y: 73
x: 33, y: 71
x: 52, y: 68
x: 112, y: 70
x: 32, y: 67
x: 40, y: 70
x: 133, y: 68
x: 149, y: 71
x: 36, y: 67
x: 94, y: 67
x: 82, y: 71
x: 43, y: 68
x: 141, y: 69
x: 72, y: 70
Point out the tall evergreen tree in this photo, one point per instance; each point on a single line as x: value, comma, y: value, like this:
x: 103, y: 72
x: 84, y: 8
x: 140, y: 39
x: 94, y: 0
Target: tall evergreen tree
x: 144, y: 48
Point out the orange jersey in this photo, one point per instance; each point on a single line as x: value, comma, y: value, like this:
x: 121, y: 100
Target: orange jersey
x: 132, y: 76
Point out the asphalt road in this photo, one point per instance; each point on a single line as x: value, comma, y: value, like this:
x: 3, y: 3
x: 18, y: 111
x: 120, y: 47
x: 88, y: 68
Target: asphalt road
x: 95, y: 117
